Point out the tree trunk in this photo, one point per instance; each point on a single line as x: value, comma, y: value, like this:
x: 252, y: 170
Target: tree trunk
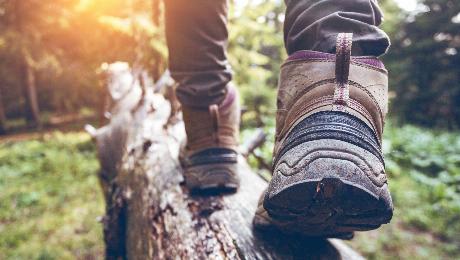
x: 26, y: 70
x: 2, y: 115
x: 150, y: 214
x: 32, y: 111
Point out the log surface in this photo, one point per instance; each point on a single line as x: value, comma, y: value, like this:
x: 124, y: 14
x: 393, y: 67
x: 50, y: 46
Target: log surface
x: 151, y: 215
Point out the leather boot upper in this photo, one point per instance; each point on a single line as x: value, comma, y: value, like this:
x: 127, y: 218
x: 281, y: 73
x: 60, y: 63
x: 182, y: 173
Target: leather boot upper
x: 215, y: 127
x: 312, y: 82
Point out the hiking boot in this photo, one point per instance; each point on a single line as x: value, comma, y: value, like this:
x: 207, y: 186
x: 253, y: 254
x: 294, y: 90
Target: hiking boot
x: 263, y: 221
x: 211, y: 156
x: 328, y: 170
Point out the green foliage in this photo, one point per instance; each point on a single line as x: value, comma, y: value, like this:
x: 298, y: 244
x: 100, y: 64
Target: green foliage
x: 424, y: 63
x: 50, y: 199
x: 66, y: 41
x: 432, y: 160
x: 256, y: 60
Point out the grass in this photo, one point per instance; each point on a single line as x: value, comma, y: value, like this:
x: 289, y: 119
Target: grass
x: 50, y: 198
x: 405, y: 237
x: 424, y: 178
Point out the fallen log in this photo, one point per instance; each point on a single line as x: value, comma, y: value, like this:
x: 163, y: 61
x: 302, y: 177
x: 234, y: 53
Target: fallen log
x: 151, y: 215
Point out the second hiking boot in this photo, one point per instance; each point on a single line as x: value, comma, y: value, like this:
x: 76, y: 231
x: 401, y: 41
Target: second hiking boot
x: 328, y: 172
x: 210, y: 160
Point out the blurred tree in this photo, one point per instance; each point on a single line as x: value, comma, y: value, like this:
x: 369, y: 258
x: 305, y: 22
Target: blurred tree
x: 20, y: 22
x: 394, y: 17
x: 256, y: 52
x: 424, y: 65
x: 25, y: 26
x: 52, y: 50
x: 2, y: 115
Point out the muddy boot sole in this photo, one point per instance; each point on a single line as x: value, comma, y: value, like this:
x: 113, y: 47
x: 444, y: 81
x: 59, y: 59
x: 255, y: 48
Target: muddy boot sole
x: 212, y: 177
x: 263, y: 222
x: 329, y: 187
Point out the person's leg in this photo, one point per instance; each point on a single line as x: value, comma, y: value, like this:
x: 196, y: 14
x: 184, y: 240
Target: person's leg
x: 328, y: 172
x: 314, y: 25
x: 197, y: 35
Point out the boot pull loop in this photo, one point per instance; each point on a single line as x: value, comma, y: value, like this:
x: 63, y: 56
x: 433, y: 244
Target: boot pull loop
x: 214, y: 112
x: 342, y: 70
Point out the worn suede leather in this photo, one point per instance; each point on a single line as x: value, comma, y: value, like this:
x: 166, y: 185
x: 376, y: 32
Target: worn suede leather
x: 215, y: 127
x: 308, y: 86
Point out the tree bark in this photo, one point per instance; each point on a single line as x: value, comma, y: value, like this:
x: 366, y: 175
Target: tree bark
x: 26, y: 70
x: 2, y: 115
x: 32, y: 111
x: 150, y: 214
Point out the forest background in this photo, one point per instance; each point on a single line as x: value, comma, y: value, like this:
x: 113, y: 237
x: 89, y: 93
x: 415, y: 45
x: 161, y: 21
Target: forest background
x: 51, y: 54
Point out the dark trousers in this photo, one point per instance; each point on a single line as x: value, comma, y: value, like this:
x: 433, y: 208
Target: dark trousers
x: 197, y: 35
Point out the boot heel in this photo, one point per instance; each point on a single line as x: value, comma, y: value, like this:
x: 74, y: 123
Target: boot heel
x: 326, y: 186
x: 218, y: 176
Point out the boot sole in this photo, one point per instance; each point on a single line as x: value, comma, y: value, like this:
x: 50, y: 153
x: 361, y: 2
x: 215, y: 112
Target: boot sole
x: 218, y: 177
x: 328, y: 193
